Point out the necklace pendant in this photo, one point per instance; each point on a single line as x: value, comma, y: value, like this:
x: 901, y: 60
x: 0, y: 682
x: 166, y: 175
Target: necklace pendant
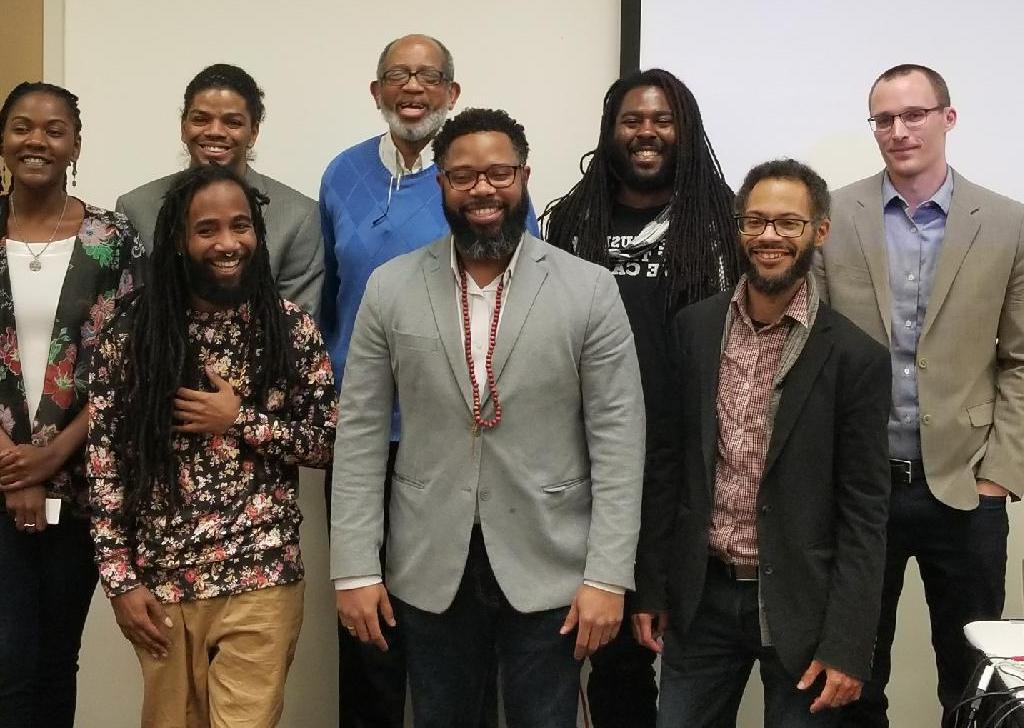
x: 35, y: 266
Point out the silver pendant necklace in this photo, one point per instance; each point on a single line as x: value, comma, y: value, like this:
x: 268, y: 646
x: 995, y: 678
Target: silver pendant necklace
x: 36, y: 265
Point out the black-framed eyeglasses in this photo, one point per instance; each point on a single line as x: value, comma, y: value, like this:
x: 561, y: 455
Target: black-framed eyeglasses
x: 911, y: 118
x: 786, y: 227
x: 400, y: 75
x: 463, y: 179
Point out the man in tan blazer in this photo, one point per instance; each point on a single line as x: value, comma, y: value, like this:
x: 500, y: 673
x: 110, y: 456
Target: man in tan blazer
x: 933, y: 266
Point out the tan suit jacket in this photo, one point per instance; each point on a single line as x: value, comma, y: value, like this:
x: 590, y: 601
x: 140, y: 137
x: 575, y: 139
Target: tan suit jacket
x: 970, y: 354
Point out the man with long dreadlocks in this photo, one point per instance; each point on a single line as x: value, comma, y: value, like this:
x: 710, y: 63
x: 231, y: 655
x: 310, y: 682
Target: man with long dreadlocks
x: 207, y: 392
x: 654, y: 208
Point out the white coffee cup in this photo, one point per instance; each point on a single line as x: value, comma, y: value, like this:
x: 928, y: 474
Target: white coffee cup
x: 53, y: 511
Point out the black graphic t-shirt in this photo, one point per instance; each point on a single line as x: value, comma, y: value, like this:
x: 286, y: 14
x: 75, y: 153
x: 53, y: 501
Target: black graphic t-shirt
x: 642, y: 284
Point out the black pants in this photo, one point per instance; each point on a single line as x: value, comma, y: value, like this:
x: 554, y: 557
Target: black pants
x: 46, y: 584
x: 621, y: 689
x: 371, y: 683
x: 962, y: 559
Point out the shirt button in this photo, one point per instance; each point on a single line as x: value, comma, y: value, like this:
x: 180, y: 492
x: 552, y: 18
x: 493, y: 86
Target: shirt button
x: 906, y: 371
x: 926, y: 419
x: 485, y: 495
x: 922, y: 362
x: 766, y: 509
x: 910, y: 277
x: 767, y: 570
x: 909, y: 324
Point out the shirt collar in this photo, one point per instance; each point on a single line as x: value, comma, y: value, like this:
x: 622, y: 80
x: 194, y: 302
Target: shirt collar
x: 798, y: 309
x: 393, y: 161
x: 942, y: 198
x: 506, y: 275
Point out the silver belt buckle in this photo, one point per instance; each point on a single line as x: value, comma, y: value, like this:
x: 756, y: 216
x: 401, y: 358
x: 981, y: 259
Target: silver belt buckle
x: 905, y: 467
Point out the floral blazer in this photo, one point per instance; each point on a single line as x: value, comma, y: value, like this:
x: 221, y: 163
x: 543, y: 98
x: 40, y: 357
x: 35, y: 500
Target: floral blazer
x: 105, y: 264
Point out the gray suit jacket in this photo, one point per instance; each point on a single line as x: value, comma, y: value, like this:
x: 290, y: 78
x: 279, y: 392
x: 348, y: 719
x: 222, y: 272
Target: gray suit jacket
x: 557, y: 482
x: 970, y: 355
x: 294, y: 240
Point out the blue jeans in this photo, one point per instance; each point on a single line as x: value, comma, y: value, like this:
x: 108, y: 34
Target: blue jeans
x: 46, y: 585
x: 962, y: 559
x: 704, y: 672
x: 449, y: 656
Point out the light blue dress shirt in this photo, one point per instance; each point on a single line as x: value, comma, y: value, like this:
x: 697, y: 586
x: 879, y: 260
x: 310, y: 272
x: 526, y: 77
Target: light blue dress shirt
x: 913, y: 243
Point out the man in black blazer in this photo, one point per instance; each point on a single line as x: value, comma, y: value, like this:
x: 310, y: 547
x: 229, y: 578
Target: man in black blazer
x: 763, y: 535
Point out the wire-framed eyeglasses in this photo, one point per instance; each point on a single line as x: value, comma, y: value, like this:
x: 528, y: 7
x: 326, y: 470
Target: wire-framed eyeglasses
x: 400, y: 75
x: 911, y: 118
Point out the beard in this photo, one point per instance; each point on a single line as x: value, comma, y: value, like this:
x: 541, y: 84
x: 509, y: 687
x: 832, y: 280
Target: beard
x: 425, y: 128
x: 482, y: 245
x: 773, y: 285
x: 203, y: 284
x: 623, y: 169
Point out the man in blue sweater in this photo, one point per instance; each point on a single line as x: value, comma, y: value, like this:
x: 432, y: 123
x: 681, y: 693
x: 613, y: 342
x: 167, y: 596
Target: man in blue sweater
x: 378, y: 200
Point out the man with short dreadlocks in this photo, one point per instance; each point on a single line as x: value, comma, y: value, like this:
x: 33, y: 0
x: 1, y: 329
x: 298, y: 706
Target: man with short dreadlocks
x: 654, y: 208
x: 207, y: 392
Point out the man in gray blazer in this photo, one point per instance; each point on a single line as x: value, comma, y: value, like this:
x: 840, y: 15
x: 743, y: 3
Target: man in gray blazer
x: 515, y: 502
x: 219, y: 125
x: 933, y: 266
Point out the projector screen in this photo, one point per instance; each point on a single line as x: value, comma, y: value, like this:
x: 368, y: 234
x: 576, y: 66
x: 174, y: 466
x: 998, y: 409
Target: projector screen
x: 791, y: 77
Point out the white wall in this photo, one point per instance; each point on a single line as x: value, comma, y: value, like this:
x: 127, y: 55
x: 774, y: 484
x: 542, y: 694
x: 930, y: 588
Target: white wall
x: 547, y: 63
x: 791, y: 78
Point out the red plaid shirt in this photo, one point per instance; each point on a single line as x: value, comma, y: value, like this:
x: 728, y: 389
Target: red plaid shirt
x: 746, y: 378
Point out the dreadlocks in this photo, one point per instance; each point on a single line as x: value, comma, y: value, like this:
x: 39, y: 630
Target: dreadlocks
x: 160, y: 358
x: 700, y: 251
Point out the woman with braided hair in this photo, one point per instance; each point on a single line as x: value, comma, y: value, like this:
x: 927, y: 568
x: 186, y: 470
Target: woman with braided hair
x: 221, y: 118
x: 63, y: 265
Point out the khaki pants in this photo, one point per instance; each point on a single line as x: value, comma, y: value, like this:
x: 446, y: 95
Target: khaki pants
x: 227, y: 662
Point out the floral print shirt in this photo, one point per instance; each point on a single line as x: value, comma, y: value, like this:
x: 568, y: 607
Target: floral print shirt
x: 106, y: 263
x: 237, y: 526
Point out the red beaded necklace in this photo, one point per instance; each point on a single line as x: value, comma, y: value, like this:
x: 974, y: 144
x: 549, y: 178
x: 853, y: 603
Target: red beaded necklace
x: 492, y: 386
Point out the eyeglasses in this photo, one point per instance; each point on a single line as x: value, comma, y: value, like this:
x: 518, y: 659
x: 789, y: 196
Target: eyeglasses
x: 911, y: 118
x: 400, y: 75
x: 498, y: 176
x: 786, y: 227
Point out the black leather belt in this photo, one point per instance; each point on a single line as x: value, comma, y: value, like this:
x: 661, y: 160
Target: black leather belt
x: 905, y: 472
x: 735, y: 572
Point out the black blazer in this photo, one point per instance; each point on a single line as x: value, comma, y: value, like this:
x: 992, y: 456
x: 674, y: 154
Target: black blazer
x: 822, y: 503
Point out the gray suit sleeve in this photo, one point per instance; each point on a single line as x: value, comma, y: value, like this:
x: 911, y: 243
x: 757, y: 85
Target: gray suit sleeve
x: 613, y: 411
x: 302, y: 269
x: 361, y: 445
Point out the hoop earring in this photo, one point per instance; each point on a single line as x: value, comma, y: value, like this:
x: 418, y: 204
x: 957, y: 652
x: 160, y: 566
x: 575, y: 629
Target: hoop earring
x: 74, y: 173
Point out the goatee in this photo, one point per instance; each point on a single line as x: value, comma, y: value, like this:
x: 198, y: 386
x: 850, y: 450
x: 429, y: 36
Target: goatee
x: 773, y: 285
x: 623, y: 169
x: 203, y: 284
x: 425, y: 128
x: 474, y: 244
